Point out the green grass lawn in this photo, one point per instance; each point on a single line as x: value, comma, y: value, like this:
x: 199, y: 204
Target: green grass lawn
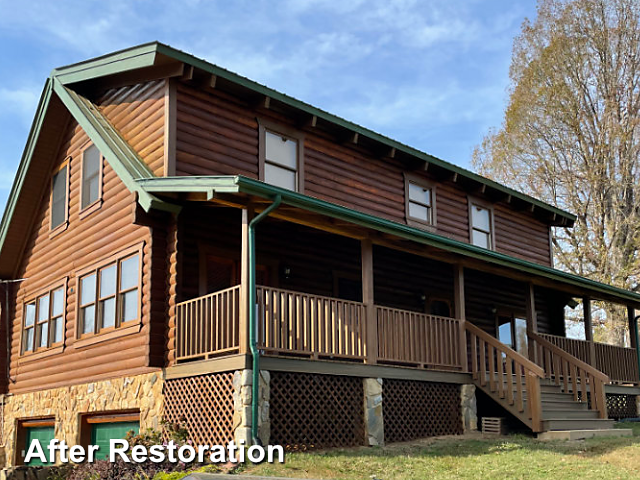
x: 509, y: 458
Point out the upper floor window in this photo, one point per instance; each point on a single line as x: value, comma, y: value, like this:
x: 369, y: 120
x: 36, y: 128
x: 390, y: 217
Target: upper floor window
x: 60, y: 196
x: 91, y: 187
x: 43, y: 323
x: 420, y: 205
x: 281, y: 154
x: 109, y: 295
x: 481, y: 224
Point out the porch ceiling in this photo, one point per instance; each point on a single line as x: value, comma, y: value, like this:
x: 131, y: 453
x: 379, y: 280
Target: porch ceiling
x: 242, y: 192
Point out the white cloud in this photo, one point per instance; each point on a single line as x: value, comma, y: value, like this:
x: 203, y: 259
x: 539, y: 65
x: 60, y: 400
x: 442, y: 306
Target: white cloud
x: 20, y: 103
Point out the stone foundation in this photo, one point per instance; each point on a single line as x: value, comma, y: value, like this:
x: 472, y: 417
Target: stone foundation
x: 373, y: 419
x: 469, y: 408
x: 242, y: 394
x: 67, y: 404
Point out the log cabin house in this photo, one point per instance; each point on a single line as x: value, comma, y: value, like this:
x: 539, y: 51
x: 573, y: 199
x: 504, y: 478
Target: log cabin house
x: 181, y: 242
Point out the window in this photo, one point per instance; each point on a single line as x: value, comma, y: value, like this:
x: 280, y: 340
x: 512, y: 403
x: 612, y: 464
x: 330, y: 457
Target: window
x: 439, y: 307
x: 419, y: 201
x: 281, y: 154
x: 99, y: 429
x: 481, y: 224
x: 41, y: 430
x: 91, y: 190
x: 44, y: 321
x: 109, y: 295
x: 59, y: 197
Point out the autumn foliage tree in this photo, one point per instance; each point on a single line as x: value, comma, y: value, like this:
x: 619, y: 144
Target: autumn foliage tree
x: 571, y: 134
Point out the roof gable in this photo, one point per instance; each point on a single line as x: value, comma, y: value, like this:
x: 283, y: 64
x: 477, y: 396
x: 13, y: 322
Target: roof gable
x: 58, y: 104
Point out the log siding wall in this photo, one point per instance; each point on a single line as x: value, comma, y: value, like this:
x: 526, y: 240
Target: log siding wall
x: 137, y: 112
x: 218, y: 135
x: 48, y: 259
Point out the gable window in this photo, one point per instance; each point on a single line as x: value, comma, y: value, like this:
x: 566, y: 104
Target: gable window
x: 420, y: 205
x: 481, y: 224
x: 43, y: 324
x: 281, y: 154
x: 109, y: 295
x: 91, y: 187
x: 59, y: 197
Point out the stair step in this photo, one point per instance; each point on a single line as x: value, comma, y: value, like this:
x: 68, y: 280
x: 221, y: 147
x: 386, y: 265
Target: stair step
x: 576, y: 424
x: 569, y: 414
x: 580, y: 434
x: 563, y: 405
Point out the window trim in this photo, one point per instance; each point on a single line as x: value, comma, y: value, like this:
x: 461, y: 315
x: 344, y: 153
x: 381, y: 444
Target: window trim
x: 97, y: 203
x: 489, y: 207
x: 54, y: 348
x: 287, y: 132
x: 424, y: 183
x: 118, y: 330
x: 53, y: 231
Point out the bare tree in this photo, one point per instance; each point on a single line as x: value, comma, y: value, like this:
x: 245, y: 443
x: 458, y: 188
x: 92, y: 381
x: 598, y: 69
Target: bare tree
x: 571, y: 133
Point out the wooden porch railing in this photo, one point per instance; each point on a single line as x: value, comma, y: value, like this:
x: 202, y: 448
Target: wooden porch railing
x: 506, y: 374
x: 317, y: 326
x: 567, y: 370
x: 620, y: 364
x: 418, y: 339
x: 208, y: 326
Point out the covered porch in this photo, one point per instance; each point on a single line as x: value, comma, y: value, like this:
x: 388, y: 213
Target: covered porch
x: 342, y: 289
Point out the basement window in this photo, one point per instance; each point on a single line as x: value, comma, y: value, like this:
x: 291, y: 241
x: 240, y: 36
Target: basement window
x: 41, y: 430
x: 281, y: 157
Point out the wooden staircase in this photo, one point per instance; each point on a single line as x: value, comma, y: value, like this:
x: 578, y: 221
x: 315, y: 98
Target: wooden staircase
x: 558, y: 393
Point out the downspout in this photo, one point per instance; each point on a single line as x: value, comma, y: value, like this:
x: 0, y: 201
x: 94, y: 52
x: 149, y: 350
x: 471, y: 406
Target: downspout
x: 253, y: 323
x: 635, y: 334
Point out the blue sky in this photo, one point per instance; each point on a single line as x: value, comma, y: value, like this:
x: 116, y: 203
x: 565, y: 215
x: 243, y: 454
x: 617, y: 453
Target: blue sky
x: 432, y: 74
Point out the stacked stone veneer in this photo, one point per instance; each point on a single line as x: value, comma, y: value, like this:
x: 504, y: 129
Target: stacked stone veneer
x: 67, y: 404
x: 242, y: 395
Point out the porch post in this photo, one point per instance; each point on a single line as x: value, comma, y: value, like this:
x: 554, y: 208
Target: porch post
x: 532, y: 318
x: 243, y: 330
x: 631, y: 315
x: 588, y: 330
x: 460, y: 312
x: 367, y: 298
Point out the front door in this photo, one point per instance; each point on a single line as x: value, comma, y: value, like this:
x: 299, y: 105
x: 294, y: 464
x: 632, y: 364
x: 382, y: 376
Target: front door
x: 512, y: 331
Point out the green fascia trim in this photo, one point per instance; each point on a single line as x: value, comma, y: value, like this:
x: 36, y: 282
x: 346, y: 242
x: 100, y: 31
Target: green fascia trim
x: 110, y: 64
x: 140, y: 56
x: 261, y: 189
x: 123, y: 159
x: 27, y: 154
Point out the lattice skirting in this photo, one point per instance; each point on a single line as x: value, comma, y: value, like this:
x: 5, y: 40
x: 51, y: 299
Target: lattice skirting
x: 621, y: 406
x: 312, y: 411
x: 414, y: 409
x: 204, y: 404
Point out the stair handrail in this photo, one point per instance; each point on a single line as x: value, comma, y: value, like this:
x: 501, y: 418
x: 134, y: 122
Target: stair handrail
x: 563, y: 354
x: 570, y: 368
x: 497, y: 374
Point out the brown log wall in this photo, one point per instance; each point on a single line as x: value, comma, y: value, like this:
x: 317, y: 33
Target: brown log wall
x: 218, y: 135
x: 47, y: 260
x: 137, y: 112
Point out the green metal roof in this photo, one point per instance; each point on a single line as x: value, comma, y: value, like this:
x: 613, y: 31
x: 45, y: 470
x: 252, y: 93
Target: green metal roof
x: 154, y: 53
x: 211, y: 185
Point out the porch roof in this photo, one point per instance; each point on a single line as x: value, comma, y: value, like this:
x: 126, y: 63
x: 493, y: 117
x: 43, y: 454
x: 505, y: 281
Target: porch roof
x: 218, y: 187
